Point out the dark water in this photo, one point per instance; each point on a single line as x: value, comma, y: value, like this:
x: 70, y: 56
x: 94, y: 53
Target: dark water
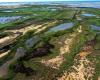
x: 95, y: 27
x: 61, y: 27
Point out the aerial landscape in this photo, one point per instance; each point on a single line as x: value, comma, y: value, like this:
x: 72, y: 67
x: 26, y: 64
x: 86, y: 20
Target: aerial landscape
x: 50, y: 40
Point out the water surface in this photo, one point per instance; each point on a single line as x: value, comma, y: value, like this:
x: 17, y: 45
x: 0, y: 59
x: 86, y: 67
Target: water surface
x: 61, y: 27
x: 95, y: 27
x: 8, y: 19
x: 6, y: 10
x: 88, y: 15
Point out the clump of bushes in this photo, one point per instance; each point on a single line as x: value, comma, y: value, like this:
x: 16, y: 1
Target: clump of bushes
x: 4, y: 34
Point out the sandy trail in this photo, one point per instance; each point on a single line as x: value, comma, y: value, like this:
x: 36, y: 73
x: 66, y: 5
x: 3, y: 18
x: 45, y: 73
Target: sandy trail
x: 37, y: 28
x: 44, y: 27
x: 82, y: 69
x: 58, y: 60
x: 8, y: 40
x: 3, y: 54
x: 25, y: 29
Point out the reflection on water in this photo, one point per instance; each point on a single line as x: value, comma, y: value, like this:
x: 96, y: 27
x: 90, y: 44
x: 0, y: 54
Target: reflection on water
x: 61, y: 27
x: 8, y: 19
x: 7, y: 11
x: 95, y: 27
x: 88, y: 15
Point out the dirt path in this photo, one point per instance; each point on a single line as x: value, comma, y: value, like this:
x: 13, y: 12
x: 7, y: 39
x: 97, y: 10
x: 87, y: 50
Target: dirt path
x: 3, y: 54
x: 65, y: 48
x: 46, y: 26
x: 82, y: 69
x: 58, y: 60
x: 24, y: 30
x: 8, y: 40
x: 37, y: 28
x: 79, y: 71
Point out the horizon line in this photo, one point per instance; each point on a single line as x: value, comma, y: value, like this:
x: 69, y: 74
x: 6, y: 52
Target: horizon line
x: 54, y: 1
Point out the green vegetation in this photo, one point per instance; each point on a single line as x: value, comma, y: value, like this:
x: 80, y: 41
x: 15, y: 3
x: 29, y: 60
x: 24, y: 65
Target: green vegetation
x: 94, y: 22
x: 43, y: 15
x: 37, y: 13
x: 75, y: 48
x: 4, y: 34
x: 95, y: 57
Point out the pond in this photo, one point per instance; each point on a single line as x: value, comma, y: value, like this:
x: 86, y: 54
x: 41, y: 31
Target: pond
x: 61, y: 27
x: 88, y: 15
x: 95, y: 27
x: 8, y: 19
x: 7, y: 11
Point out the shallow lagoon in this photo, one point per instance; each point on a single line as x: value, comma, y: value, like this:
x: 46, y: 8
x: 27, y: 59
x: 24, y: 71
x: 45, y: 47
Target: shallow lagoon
x: 61, y: 27
x: 88, y: 15
x: 7, y: 11
x: 8, y: 19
